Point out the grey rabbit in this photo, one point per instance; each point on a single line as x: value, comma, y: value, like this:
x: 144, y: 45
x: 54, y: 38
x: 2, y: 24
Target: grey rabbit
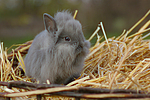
x: 57, y: 54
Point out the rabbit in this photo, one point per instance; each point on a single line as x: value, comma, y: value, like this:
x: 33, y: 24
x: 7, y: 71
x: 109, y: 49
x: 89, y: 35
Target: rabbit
x: 57, y: 54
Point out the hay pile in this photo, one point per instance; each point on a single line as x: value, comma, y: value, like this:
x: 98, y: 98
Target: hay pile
x: 116, y: 63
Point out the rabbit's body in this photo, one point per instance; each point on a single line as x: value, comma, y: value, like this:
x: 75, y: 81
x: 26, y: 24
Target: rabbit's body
x: 57, y: 54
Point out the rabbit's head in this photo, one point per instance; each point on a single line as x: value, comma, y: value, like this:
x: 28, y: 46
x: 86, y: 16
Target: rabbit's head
x: 70, y: 44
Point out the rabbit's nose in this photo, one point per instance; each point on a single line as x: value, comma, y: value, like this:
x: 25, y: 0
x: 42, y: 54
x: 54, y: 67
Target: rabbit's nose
x: 79, y: 48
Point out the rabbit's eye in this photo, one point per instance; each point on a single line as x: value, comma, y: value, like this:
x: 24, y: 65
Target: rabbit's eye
x: 67, y: 38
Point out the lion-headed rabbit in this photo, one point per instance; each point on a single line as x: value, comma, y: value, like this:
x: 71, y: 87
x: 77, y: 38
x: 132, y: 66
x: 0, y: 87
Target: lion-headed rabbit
x: 57, y: 54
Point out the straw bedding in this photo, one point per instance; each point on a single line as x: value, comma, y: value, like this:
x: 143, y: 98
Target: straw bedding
x: 115, y: 63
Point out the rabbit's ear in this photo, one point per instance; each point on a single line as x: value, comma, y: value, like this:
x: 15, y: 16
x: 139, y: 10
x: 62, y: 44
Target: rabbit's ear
x: 49, y: 22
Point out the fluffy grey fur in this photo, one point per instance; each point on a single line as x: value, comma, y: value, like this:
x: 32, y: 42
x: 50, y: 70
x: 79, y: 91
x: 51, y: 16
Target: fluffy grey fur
x: 57, y: 53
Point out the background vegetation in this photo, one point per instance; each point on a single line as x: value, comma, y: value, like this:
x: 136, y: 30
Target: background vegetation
x: 21, y: 20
